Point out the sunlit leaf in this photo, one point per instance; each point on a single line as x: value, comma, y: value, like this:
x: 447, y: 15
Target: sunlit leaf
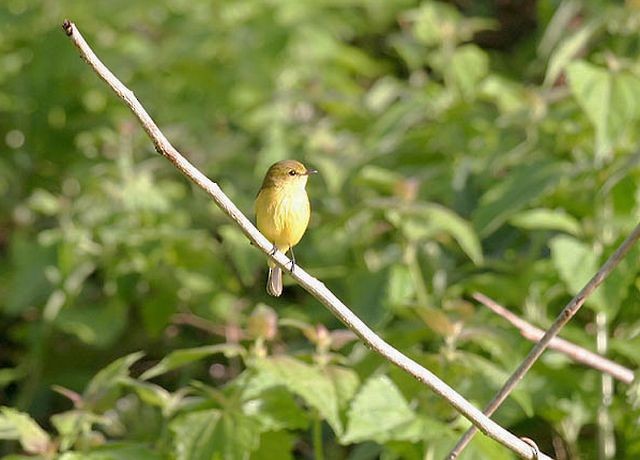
x: 21, y: 427
x: 307, y: 381
x: 609, y: 98
x: 379, y: 413
x: 209, y: 434
x: 576, y: 263
x: 275, y: 409
x: 106, y: 381
x: 469, y: 65
x: 570, y: 46
x: 546, y: 219
x: 179, y: 358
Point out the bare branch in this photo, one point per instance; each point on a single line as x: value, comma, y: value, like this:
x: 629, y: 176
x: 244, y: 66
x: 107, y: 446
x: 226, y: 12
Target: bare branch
x: 309, y: 283
x: 573, y: 351
x: 563, y: 318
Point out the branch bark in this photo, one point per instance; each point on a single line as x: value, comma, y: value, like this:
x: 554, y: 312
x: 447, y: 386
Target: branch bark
x: 575, y: 352
x: 309, y: 283
x: 563, y: 318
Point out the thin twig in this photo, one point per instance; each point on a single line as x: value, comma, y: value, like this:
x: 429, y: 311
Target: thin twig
x: 312, y: 285
x: 575, y: 352
x: 563, y: 318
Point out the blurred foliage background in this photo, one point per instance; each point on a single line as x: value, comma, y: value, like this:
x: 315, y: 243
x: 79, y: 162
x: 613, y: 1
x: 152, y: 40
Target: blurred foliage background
x: 463, y: 146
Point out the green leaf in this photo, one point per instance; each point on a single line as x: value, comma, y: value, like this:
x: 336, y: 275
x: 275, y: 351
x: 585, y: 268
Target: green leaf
x: 115, y: 451
x: 431, y: 219
x: 610, y: 99
x: 72, y: 425
x: 576, y: 263
x: 15, y: 425
x: 345, y: 381
x: 567, y: 50
x: 522, y: 187
x: 179, y: 358
x: 99, y: 325
x: 308, y: 382
x: 274, y: 445
x: 377, y: 410
x: 496, y: 377
x: 546, y: 219
x: 508, y: 96
x: 213, y: 434
x: 44, y: 202
x: 275, y: 409
x: 400, y: 286
x: 27, y: 285
x: 615, y: 289
x: 449, y: 222
x: 469, y: 65
x: 633, y: 393
x: 106, y: 382
x: 149, y: 393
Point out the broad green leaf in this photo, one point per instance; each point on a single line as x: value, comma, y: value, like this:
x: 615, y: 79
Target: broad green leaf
x: 377, y: 410
x: 469, y: 65
x: 345, y: 381
x: 15, y: 425
x: 275, y: 409
x: 400, y: 286
x: 522, y: 187
x: 615, y: 289
x: 179, y: 358
x: 105, y: 383
x: 213, y: 434
x: 308, y: 382
x: 546, y: 219
x: 275, y: 445
x: 611, y: 100
x: 576, y: 263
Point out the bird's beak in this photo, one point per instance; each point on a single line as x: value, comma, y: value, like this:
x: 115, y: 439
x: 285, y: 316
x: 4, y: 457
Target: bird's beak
x: 311, y: 171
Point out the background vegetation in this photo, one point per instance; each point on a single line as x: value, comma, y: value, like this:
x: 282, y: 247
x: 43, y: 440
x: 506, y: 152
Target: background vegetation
x: 462, y: 146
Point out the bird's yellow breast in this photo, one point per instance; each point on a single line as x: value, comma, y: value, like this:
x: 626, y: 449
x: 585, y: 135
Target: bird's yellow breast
x: 282, y: 215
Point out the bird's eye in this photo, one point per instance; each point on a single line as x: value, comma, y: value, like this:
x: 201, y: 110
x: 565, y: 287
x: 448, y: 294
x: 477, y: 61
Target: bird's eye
x: 292, y: 172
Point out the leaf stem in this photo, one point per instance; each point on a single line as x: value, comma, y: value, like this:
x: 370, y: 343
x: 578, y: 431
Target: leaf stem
x: 318, y: 450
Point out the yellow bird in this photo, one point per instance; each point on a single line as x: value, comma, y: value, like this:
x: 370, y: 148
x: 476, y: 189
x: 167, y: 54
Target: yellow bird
x: 282, y: 212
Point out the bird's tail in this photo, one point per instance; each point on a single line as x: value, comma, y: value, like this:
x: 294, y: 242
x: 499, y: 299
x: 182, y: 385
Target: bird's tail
x: 274, y: 281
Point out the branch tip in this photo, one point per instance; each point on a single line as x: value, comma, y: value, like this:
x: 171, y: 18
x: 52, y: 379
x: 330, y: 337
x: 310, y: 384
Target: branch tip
x: 67, y: 26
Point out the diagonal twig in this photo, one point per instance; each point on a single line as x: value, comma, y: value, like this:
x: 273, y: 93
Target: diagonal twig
x: 563, y: 318
x: 575, y: 352
x: 309, y: 283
